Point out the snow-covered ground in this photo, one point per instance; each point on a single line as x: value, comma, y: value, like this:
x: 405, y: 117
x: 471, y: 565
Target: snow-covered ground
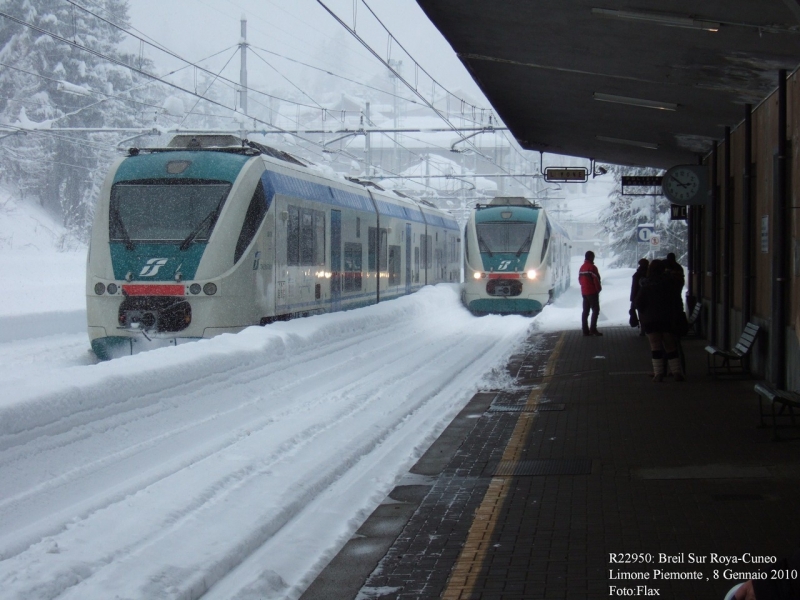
x: 234, y: 467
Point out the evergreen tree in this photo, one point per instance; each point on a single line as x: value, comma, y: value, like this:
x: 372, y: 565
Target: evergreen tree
x: 626, y: 212
x: 48, y: 82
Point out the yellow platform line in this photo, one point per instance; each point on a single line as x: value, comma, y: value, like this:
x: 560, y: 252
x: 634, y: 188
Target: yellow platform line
x: 470, y: 561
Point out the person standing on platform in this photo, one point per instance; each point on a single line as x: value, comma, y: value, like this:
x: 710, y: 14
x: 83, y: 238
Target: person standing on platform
x: 675, y: 271
x: 589, y: 278
x: 641, y: 273
x: 658, y: 304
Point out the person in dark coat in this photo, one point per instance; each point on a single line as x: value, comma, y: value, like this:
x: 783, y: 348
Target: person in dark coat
x: 589, y: 278
x: 658, y: 305
x: 640, y: 273
x: 675, y: 270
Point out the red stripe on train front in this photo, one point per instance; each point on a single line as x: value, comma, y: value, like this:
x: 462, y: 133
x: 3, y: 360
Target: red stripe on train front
x: 504, y: 275
x: 153, y: 290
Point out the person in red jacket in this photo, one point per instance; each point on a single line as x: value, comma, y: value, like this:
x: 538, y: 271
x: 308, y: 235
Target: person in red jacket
x: 589, y: 278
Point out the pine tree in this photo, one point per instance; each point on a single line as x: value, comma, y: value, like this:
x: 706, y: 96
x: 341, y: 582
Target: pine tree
x: 626, y: 212
x: 44, y: 81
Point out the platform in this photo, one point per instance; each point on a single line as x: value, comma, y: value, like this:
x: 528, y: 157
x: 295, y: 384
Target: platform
x: 545, y: 491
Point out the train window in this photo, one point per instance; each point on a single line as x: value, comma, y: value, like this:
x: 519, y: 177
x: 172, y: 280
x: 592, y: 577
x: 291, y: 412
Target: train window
x: 394, y: 265
x: 165, y: 210
x: 373, y: 247
x: 416, y: 264
x: 505, y: 236
x: 252, y: 221
x: 546, y: 242
x: 358, y: 227
x: 352, y: 266
x: 305, y: 237
x: 293, y: 236
x: 426, y: 243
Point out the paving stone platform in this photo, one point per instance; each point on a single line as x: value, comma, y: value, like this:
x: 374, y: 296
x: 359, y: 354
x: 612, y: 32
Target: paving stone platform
x: 587, y: 480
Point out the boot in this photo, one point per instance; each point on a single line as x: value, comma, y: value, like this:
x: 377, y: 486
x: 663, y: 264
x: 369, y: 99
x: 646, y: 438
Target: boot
x: 675, y: 367
x: 658, y: 366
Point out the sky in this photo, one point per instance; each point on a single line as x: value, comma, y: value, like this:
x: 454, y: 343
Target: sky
x: 303, y: 30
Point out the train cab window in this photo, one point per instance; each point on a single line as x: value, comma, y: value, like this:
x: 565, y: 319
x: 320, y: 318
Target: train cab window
x: 165, y: 210
x: 252, y: 221
x: 352, y: 267
x: 305, y: 237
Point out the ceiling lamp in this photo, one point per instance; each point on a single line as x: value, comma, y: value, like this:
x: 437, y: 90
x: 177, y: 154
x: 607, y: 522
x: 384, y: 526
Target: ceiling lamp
x: 658, y: 18
x: 635, y: 101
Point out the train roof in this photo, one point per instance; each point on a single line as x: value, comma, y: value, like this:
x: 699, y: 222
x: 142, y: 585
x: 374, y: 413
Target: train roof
x: 390, y: 202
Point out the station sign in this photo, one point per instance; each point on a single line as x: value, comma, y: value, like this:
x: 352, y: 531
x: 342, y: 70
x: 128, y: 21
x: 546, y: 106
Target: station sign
x: 678, y: 212
x: 566, y: 174
x: 644, y: 233
x: 641, y: 185
x: 642, y: 180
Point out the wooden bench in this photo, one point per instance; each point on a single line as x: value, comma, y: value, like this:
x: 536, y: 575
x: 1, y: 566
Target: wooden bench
x: 784, y: 398
x: 733, y: 361
x: 694, y: 319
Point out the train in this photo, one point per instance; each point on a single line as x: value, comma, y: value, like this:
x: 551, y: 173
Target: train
x: 214, y: 233
x: 516, y: 258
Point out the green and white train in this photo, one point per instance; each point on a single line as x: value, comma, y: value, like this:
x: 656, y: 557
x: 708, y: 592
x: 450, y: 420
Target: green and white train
x: 516, y: 258
x: 212, y: 234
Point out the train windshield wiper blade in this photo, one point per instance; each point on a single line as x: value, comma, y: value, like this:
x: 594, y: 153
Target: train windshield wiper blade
x: 125, y: 237
x: 527, y: 243
x: 484, y: 244
x: 209, y: 220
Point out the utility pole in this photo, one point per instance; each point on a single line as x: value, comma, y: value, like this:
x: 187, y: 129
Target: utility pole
x: 367, y: 144
x: 395, y: 64
x: 243, y: 68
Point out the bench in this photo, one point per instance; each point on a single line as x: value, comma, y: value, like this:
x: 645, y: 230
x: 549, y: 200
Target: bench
x: 694, y: 319
x: 733, y: 361
x: 784, y: 398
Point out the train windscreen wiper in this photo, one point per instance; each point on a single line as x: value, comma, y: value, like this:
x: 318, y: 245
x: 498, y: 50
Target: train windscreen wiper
x: 484, y: 244
x: 121, y: 229
x: 526, y: 245
x: 208, y: 222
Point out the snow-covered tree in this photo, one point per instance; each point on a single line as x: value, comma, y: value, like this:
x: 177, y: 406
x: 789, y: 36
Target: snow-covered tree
x: 626, y: 212
x: 46, y: 82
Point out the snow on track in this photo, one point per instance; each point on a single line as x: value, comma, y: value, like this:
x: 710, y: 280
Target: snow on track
x: 233, y: 467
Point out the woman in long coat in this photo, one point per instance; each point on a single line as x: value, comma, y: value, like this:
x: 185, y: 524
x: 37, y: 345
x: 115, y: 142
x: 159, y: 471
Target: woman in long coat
x: 658, y: 304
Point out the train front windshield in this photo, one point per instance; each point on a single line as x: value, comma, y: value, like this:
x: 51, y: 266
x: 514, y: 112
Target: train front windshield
x: 170, y: 211
x: 505, y: 236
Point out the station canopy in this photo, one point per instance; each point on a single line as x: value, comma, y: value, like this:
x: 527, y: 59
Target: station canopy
x: 626, y: 82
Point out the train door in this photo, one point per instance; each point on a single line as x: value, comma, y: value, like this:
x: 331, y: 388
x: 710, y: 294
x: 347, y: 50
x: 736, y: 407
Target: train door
x: 408, y: 258
x: 336, y: 259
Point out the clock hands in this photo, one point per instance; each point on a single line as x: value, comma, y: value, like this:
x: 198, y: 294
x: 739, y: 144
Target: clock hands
x: 680, y: 183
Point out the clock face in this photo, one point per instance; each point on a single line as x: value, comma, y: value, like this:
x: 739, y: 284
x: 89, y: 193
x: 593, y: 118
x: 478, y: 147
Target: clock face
x: 681, y: 184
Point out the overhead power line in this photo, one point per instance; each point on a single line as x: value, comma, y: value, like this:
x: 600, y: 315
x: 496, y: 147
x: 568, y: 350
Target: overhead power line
x: 413, y: 89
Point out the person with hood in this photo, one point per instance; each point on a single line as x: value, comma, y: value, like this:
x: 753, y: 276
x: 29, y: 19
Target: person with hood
x: 658, y: 304
x: 589, y: 278
x: 641, y: 272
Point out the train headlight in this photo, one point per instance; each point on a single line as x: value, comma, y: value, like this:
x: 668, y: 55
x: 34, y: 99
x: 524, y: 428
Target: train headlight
x: 99, y: 289
x: 532, y: 274
x: 210, y: 289
x: 195, y: 288
x: 112, y: 288
x: 477, y: 274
